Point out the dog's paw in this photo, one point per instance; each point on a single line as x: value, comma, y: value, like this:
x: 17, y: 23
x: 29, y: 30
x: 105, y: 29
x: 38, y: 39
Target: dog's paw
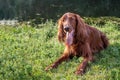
x: 50, y: 67
x: 79, y: 72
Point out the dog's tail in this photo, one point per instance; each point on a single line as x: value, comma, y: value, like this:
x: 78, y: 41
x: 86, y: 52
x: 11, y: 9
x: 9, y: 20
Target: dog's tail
x: 105, y: 40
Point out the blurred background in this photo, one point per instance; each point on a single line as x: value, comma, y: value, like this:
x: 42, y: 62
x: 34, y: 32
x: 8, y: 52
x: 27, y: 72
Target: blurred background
x: 53, y: 9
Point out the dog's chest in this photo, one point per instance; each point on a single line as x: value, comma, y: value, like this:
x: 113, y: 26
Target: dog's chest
x: 75, y: 51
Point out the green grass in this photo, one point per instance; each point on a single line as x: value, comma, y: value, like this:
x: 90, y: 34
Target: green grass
x: 25, y: 51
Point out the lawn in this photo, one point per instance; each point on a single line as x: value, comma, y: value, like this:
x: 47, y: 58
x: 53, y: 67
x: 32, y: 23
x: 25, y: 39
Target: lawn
x: 25, y: 51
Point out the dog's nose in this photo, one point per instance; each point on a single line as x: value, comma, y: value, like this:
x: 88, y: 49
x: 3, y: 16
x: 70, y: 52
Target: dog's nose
x: 66, y: 29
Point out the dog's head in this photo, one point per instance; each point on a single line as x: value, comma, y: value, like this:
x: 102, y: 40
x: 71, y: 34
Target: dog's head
x: 70, y: 26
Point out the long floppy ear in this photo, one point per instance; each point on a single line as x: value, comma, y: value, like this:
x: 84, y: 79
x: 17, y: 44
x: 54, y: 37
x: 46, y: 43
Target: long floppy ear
x: 61, y: 33
x: 81, y: 31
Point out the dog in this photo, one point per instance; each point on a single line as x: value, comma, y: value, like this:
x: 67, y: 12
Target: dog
x: 80, y: 39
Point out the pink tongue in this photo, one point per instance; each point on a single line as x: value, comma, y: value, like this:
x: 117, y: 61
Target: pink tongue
x: 69, y: 38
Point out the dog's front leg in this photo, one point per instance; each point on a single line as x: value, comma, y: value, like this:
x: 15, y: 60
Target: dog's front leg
x: 88, y: 57
x: 57, y: 62
x: 64, y: 57
x: 81, y: 68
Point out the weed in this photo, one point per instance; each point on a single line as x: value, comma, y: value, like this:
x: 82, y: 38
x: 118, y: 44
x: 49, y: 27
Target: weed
x: 25, y: 51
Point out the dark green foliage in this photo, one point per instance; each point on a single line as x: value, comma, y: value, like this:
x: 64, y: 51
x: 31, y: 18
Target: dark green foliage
x: 101, y: 20
x: 53, y: 9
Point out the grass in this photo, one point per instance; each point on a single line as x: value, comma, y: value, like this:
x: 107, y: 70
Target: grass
x: 25, y: 51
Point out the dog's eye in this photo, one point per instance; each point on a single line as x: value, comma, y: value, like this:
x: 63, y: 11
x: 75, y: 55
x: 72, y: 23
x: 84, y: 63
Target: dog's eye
x: 71, y: 18
x: 64, y: 18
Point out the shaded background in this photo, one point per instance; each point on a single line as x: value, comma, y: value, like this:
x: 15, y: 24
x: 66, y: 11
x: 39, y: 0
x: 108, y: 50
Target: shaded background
x: 53, y: 9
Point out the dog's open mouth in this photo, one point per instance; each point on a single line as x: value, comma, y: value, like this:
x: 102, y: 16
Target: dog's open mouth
x: 69, y: 38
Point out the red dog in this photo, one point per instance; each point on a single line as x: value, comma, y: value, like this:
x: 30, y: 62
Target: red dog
x: 80, y: 39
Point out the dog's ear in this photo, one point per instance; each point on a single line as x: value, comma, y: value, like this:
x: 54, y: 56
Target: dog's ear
x: 81, y: 31
x: 61, y: 33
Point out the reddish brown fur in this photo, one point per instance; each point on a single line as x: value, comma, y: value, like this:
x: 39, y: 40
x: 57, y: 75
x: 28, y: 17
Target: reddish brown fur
x: 87, y: 41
